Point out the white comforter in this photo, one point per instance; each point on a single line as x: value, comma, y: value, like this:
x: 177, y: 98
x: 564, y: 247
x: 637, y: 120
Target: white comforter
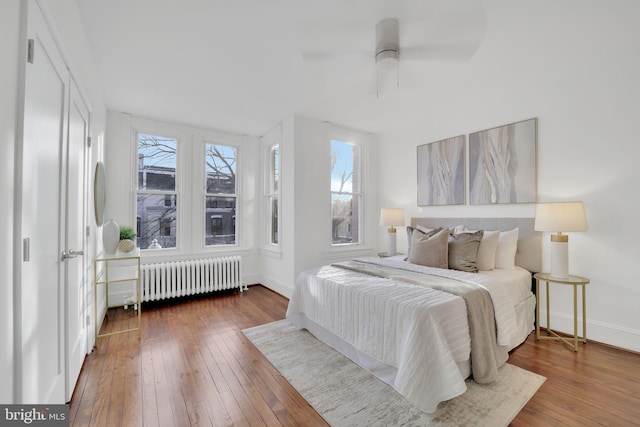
x: 420, y: 331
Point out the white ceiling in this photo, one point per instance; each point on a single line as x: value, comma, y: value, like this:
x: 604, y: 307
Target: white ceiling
x: 236, y: 65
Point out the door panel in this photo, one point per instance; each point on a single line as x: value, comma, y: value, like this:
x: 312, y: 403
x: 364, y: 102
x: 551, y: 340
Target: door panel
x: 42, y: 292
x: 76, y: 310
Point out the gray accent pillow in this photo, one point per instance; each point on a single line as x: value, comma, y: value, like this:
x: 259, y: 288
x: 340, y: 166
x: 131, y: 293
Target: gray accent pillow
x: 422, y: 230
x: 463, y: 251
x: 430, y: 250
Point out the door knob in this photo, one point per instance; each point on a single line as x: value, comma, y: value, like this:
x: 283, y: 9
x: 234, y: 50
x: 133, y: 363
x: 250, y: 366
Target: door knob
x: 71, y: 254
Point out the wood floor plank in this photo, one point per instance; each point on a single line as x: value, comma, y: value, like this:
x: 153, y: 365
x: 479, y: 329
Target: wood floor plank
x: 162, y: 390
x: 174, y: 372
x: 133, y: 390
x: 234, y: 358
x: 241, y: 405
x: 149, y: 414
x: 192, y: 366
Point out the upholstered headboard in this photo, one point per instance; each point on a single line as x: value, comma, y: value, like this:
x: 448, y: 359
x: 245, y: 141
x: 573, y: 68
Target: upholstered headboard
x: 529, y: 252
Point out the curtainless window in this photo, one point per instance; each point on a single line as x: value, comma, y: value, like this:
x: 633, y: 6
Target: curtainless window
x: 157, y: 196
x: 221, y: 195
x: 346, y: 196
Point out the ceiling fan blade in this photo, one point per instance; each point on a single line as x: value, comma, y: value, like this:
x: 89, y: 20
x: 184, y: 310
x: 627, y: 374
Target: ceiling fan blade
x: 455, y: 52
x: 323, y: 55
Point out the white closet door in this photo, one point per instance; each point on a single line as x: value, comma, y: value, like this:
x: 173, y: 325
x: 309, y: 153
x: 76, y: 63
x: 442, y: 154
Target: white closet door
x: 42, y: 215
x: 75, y: 266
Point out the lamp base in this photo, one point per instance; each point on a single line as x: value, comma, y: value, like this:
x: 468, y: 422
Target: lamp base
x: 391, y: 241
x: 559, y: 259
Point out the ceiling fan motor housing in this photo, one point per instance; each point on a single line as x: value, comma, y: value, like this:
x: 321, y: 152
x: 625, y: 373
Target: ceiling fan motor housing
x: 387, y: 42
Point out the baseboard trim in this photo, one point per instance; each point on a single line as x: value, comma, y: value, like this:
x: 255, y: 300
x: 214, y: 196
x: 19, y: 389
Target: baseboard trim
x: 277, y: 287
x: 614, y: 336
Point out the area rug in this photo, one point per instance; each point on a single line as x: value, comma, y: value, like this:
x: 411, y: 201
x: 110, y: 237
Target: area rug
x: 345, y: 394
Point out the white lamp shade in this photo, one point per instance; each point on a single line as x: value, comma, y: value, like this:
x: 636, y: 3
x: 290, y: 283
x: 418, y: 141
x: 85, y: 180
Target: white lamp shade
x: 391, y: 216
x: 560, y: 216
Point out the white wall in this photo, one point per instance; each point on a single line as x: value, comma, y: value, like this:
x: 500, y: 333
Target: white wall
x: 574, y: 65
x: 306, y: 195
x: 64, y: 18
x: 313, y: 193
x: 277, y: 263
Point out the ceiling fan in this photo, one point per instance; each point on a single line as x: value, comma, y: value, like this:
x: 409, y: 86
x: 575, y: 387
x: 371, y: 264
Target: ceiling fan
x: 388, y: 51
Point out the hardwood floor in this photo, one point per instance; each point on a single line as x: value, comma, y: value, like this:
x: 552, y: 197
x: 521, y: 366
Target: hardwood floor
x: 193, y: 366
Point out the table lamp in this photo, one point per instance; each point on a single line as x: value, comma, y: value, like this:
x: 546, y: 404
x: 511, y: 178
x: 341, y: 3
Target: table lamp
x: 391, y: 217
x: 558, y: 218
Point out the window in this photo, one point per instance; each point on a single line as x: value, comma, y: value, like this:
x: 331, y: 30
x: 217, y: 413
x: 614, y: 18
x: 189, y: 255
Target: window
x: 220, y: 195
x: 346, y: 196
x: 157, y: 197
x: 273, y: 191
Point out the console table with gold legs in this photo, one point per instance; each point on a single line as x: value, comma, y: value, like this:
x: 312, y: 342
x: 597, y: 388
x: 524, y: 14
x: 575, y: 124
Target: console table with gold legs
x: 116, y: 269
x: 574, y: 281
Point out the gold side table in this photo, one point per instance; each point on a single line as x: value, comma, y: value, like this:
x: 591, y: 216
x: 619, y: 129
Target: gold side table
x: 101, y: 269
x: 574, y: 281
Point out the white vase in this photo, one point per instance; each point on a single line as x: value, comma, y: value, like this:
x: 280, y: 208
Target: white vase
x: 110, y: 236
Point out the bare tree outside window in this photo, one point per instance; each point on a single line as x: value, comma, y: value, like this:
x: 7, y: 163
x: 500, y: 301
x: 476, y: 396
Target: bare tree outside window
x: 345, y: 193
x: 157, y: 197
x: 220, y: 195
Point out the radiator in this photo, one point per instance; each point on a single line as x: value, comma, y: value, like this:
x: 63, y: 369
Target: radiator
x: 190, y: 277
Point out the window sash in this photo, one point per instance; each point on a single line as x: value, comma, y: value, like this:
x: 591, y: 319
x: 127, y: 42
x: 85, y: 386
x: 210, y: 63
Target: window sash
x: 155, y: 219
x: 220, y: 221
x: 273, y: 195
x: 346, y: 220
x: 273, y: 207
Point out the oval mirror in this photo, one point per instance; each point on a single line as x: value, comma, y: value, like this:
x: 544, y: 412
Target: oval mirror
x: 99, y: 193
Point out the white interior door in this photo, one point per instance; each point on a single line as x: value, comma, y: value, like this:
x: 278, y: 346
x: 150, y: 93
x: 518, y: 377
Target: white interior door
x: 41, y: 325
x: 75, y: 259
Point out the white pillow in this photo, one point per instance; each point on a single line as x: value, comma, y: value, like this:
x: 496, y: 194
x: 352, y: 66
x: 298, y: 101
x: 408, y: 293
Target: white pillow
x: 506, y: 251
x: 486, y: 259
x: 424, y: 229
x: 459, y: 229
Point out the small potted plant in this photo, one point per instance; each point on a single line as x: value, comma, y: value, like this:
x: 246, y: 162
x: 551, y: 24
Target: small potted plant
x: 127, y: 239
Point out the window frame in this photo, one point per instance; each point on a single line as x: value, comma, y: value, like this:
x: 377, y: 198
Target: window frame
x: 273, y: 169
x: 205, y: 194
x: 359, y: 194
x: 177, y: 192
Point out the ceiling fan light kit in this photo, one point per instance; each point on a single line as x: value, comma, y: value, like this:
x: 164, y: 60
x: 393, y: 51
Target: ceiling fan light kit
x: 387, y: 60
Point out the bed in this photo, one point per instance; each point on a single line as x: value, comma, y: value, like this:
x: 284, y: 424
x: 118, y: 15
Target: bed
x: 424, y: 329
